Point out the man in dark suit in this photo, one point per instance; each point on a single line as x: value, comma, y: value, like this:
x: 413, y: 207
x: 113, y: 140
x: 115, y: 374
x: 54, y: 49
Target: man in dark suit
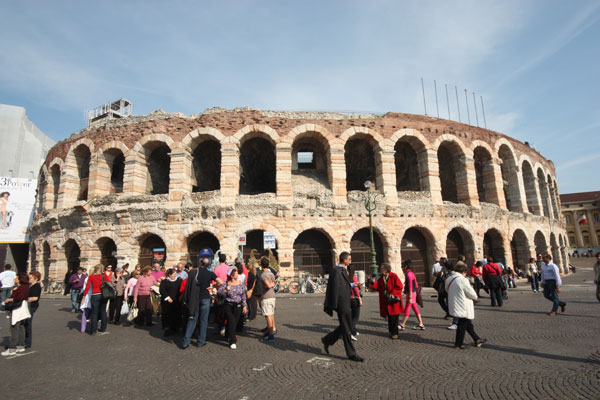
x: 337, y: 299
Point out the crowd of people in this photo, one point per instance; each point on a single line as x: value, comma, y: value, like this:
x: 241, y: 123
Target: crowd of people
x: 185, y: 295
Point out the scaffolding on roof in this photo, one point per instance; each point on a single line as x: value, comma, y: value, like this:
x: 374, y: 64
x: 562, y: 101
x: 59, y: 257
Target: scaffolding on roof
x: 117, y: 109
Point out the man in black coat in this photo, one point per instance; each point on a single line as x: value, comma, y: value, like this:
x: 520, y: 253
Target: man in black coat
x: 337, y: 299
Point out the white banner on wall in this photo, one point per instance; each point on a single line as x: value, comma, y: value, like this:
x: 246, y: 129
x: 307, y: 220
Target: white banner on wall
x: 17, y: 201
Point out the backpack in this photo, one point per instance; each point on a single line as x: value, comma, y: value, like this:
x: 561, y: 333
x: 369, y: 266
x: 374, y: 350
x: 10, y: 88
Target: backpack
x: 258, y: 286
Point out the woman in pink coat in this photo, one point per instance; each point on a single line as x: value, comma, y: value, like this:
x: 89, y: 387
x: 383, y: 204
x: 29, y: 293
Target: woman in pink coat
x: 389, y: 287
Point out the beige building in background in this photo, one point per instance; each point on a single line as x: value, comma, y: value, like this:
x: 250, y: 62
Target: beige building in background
x: 120, y: 189
x: 587, y: 235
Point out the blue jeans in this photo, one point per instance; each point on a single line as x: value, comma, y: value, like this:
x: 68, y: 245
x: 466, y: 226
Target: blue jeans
x: 200, y: 316
x: 496, y: 296
x: 535, y: 282
x: 551, y: 294
x: 74, y: 295
x: 98, y: 310
x: 29, y: 325
x: 5, y: 294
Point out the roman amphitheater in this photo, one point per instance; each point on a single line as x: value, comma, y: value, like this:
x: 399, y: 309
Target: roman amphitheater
x: 120, y: 189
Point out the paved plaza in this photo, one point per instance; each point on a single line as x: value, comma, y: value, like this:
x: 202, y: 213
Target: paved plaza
x: 529, y: 355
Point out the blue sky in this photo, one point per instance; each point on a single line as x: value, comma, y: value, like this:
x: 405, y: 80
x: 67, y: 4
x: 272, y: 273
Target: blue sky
x: 536, y: 63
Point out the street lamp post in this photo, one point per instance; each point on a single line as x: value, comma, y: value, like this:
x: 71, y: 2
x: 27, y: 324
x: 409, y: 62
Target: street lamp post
x: 370, y: 199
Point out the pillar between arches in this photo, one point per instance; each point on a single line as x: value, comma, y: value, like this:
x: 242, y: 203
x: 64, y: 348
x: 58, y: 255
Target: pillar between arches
x: 180, y: 175
x: 230, y: 173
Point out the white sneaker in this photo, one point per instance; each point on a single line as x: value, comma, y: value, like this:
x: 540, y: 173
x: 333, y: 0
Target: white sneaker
x: 453, y: 327
x: 357, y: 333
x: 353, y: 338
x: 233, y: 346
x: 9, y: 352
x: 20, y: 349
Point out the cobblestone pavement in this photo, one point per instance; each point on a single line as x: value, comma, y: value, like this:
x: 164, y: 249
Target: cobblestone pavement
x: 529, y: 355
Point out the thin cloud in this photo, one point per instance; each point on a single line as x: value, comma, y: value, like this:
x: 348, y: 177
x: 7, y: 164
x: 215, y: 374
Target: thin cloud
x: 578, y: 161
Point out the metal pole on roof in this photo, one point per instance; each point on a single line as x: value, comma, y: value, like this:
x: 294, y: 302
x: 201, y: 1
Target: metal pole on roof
x: 475, y: 105
x: 423, y: 88
x: 483, y: 111
x: 447, y: 101
x: 436, y: 98
x: 457, y: 103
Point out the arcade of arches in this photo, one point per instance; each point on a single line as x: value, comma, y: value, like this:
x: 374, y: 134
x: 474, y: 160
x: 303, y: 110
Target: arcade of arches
x: 184, y: 183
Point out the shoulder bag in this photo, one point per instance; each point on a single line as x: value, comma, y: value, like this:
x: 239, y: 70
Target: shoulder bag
x: 107, y: 291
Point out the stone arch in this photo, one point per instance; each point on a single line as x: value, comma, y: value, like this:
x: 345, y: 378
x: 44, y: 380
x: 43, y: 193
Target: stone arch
x: 539, y: 240
x: 319, y: 226
x: 72, y: 254
x: 55, y: 172
x: 452, y: 163
x: 362, y: 160
x: 199, y: 240
x: 409, y: 157
x: 418, y: 245
x: 313, y: 252
x: 108, y: 250
x: 544, y: 194
x: 360, y: 249
x: 198, y: 133
x: 77, y: 169
x: 147, y: 243
x: 552, y: 193
x: 520, y: 249
x: 484, y: 173
x: 206, y: 163
x: 459, y: 240
x: 493, y: 245
x: 303, y: 129
x: 510, y: 179
x: 360, y: 131
x: 110, y: 168
x: 252, y: 131
x: 316, y: 163
x: 155, y: 152
x: 531, y: 192
x: 257, y: 165
x: 42, y: 189
x: 46, y: 259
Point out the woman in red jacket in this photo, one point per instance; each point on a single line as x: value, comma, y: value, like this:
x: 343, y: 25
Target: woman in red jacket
x: 389, y: 287
x: 98, y: 304
x: 17, y: 330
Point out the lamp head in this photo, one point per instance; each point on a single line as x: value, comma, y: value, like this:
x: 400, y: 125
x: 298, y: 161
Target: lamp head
x: 368, y: 185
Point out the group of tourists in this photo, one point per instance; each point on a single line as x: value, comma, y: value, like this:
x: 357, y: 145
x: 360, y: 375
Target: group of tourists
x: 183, y: 296
x: 20, y: 297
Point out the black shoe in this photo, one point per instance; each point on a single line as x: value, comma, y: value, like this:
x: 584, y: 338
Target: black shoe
x: 480, y: 342
x: 459, y: 347
x: 182, y: 347
x: 356, y: 358
x: 447, y: 316
x: 563, y: 307
x: 325, y: 346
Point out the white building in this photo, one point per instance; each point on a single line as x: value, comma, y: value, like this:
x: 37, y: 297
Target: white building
x: 24, y: 148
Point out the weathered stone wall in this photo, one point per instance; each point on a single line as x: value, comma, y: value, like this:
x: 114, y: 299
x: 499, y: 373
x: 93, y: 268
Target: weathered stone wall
x: 302, y: 200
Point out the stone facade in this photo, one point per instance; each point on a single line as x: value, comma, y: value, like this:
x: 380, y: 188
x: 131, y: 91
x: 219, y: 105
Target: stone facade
x: 120, y: 187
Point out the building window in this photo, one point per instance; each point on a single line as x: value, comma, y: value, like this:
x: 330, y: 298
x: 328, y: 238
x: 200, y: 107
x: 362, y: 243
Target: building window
x: 568, y: 219
x: 572, y: 241
x: 586, y: 240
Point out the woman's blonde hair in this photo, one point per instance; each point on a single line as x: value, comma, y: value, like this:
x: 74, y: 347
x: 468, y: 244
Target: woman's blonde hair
x: 97, y: 269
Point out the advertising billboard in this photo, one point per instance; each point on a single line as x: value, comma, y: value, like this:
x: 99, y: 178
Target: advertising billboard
x: 17, y: 201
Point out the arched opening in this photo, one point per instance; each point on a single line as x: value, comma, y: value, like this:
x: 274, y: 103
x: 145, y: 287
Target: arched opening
x: 115, y: 160
x: 415, y: 246
x: 46, y: 259
x: 484, y: 174
x: 206, y: 166
x: 360, y: 164
x: 72, y: 254
x: 82, y: 158
x: 530, y: 191
x: 313, y: 253
x: 360, y: 250
x: 407, y: 167
x: 451, y: 161
x: 460, y: 242
x: 519, y: 246
x: 555, y: 251
x: 509, y: 178
x: 55, y: 174
x: 493, y: 245
x: 149, y: 246
x: 158, y: 160
x: 33, y: 260
x: 199, y: 241
x: 257, y: 166
x: 552, y: 193
x: 255, y: 243
x: 543, y: 186
x: 540, y: 243
x: 310, y: 161
x: 108, y: 251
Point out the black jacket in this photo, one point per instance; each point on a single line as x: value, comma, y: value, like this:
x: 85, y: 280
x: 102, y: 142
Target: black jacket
x: 337, y: 297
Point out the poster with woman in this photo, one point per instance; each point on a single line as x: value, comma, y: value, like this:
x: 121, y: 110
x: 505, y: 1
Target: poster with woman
x: 17, y: 201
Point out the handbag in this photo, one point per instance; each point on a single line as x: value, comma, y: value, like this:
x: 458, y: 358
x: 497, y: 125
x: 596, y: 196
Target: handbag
x: 107, y: 291
x: 133, y: 312
x: 391, y: 299
x: 12, y: 305
x: 419, y: 297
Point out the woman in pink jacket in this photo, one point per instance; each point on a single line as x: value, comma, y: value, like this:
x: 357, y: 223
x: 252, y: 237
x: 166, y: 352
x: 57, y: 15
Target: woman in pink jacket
x: 141, y: 296
x: 410, y: 290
